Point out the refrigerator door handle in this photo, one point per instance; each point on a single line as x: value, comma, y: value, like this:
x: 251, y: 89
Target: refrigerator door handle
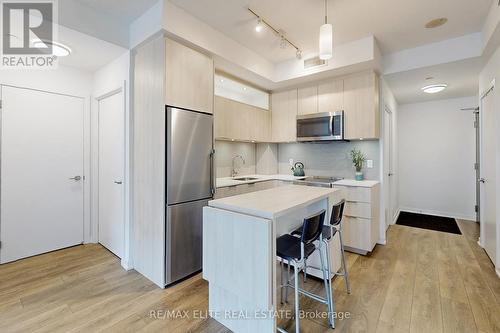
x: 212, y: 171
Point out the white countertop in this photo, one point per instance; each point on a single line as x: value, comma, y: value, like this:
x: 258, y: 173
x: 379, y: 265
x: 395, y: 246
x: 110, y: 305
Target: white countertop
x: 228, y: 181
x: 274, y: 202
x: 356, y: 183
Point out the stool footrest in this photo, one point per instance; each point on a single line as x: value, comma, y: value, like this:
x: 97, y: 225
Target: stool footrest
x: 308, y: 294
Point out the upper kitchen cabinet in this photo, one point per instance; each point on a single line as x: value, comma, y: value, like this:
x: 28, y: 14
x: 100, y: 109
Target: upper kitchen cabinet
x: 307, y: 100
x: 331, y: 96
x: 189, y: 78
x: 241, y: 122
x: 241, y: 111
x: 284, y: 116
x: 361, y: 106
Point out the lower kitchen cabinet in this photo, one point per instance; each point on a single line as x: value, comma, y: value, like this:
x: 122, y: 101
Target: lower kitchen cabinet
x: 360, y: 225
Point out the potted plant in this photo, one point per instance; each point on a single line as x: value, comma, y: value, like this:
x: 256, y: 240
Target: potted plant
x: 358, y: 158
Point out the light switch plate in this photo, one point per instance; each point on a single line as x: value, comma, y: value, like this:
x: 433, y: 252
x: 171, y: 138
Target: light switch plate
x: 369, y: 164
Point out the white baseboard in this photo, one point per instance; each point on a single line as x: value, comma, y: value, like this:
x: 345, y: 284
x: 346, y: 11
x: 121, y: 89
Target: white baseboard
x: 471, y: 218
x: 498, y: 272
x: 396, y: 216
x: 382, y: 242
x: 126, y: 265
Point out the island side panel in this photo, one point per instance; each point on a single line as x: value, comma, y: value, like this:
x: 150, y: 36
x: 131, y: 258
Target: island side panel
x: 238, y: 259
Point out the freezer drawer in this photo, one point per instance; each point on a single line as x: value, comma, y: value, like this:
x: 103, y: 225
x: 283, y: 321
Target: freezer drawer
x: 184, y: 234
x: 189, y: 156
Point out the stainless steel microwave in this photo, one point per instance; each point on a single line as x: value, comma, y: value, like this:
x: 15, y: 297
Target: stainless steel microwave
x: 328, y: 126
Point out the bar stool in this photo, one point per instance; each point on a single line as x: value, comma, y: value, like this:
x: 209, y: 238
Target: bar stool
x: 296, y: 250
x: 329, y: 232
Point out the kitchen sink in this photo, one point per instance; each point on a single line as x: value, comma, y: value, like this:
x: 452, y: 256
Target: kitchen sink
x: 245, y: 179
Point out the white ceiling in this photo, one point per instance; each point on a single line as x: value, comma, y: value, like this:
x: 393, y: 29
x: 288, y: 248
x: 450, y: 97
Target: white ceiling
x: 125, y: 10
x: 461, y: 76
x: 88, y: 53
x: 396, y: 24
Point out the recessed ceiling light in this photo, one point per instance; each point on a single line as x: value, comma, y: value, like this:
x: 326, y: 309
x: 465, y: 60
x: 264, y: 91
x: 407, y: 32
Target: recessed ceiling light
x: 434, y: 88
x: 244, y: 88
x: 58, y: 49
x: 436, y: 23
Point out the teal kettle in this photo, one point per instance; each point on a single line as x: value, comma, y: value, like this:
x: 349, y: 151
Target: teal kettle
x: 298, y: 169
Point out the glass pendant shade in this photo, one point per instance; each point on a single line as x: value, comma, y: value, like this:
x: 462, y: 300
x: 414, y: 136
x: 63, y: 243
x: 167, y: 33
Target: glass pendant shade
x: 326, y: 42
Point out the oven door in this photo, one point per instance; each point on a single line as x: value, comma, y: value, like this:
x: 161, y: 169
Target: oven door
x: 320, y: 127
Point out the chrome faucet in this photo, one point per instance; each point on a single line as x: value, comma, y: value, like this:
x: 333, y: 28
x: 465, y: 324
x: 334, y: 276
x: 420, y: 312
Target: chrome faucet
x: 233, y: 171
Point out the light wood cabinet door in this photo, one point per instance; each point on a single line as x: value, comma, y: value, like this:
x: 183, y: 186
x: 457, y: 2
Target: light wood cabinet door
x: 189, y: 78
x: 264, y: 126
x: 284, y: 116
x: 308, y: 100
x: 331, y: 96
x: 221, y: 118
x: 361, y: 106
x: 241, y: 122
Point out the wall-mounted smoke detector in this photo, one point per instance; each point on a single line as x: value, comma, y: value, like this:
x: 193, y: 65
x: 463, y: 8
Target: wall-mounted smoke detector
x: 436, y: 23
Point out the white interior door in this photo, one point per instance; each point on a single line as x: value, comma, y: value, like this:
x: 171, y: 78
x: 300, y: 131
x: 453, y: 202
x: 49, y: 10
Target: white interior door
x: 111, y: 172
x: 488, y: 176
x: 41, y: 172
x: 388, y: 167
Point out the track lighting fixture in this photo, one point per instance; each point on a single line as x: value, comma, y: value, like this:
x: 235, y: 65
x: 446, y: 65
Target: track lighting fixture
x: 284, y: 42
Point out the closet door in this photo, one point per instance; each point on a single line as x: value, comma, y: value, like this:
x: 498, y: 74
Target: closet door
x: 41, y: 172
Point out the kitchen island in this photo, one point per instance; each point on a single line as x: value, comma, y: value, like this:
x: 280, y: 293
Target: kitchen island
x: 239, y: 251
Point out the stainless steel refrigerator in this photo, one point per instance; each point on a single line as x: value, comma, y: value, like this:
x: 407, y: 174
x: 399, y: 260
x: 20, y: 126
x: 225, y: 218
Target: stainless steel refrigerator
x: 190, y: 183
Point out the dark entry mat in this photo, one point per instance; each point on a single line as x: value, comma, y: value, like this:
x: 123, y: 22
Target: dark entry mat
x: 437, y: 223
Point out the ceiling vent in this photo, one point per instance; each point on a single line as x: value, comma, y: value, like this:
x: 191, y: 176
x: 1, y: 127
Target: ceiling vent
x: 314, y: 62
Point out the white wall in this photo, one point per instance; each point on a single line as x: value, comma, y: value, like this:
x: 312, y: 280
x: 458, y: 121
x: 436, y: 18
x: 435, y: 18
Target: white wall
x: 436, y: 157
x: 109, y: 78
x: 490, y: 72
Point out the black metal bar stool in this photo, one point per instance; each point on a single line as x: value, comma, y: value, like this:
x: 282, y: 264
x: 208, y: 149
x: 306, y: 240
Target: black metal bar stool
x: 295, y: 251
x: 328, y: 233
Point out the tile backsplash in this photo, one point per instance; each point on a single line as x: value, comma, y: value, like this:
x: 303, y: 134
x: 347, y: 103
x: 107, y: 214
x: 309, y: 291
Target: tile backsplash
x: 320, y: 159
x: 226, y: 150
x: 329, y: 159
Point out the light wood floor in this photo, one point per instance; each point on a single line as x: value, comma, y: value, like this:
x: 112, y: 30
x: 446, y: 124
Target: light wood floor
x: 422, y: 281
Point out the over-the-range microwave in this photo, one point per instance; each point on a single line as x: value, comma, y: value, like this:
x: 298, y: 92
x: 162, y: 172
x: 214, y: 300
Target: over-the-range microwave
x: 328, y: 126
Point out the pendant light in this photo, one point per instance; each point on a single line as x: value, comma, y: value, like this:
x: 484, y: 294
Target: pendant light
x: 326, y: 38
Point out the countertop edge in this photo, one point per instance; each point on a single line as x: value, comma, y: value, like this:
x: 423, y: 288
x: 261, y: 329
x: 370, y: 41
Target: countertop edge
x: 265, y: 214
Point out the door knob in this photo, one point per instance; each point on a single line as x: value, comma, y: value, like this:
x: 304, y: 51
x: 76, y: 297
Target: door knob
x: 76, y: 178
x: 482, y: 180
x: 118, y: 182
x: 390, y: 174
